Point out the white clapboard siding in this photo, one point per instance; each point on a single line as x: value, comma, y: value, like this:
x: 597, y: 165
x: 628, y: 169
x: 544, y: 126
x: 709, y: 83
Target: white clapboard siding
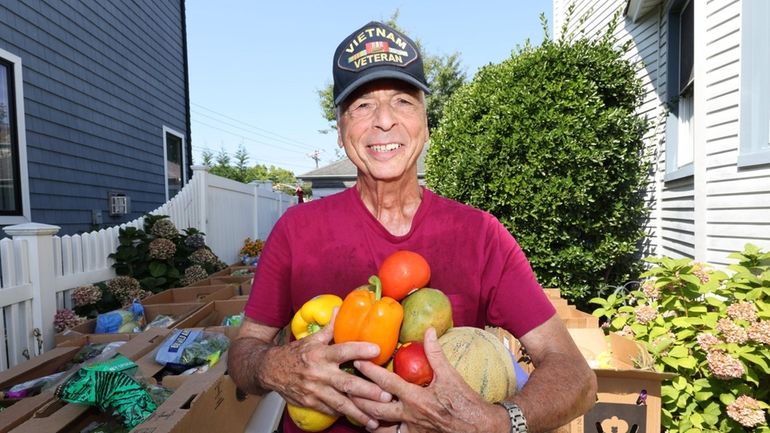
x: 731, y: 204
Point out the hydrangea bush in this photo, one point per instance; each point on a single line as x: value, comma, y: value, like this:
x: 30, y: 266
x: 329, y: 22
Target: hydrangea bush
x: 160, y: 256
x: 711, y: 328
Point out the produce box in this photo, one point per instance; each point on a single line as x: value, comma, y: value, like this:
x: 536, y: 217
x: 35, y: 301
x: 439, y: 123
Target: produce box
x: 203, y: 402
x: 52, y: 361
x: 628, y: 397
x: 571, y: 316
x: 152, y: 369
x: 177, y: 311
x: 235, y: 270
x: 243, y: 283
x: 211, y: 403
x: 213, y: 313
x: 199, y: 294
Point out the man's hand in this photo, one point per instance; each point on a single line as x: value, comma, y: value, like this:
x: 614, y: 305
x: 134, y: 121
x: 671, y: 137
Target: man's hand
x: 447, y: 404
x: 306, y: 372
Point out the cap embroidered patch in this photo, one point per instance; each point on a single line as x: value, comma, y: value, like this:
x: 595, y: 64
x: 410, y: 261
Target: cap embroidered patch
x: 376, y: 51
x: 373, y: 46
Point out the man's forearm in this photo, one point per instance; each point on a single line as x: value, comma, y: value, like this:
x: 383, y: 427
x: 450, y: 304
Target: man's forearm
x: 558, y: 391
x: 245, y: 363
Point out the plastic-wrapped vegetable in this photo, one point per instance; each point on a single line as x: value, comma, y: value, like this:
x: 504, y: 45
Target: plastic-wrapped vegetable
x: 130, y: 319
x: 160, y: 321
x: 234, y: 320
x: 108, y: 385
x: 191, y: 347
x: 32, y: 387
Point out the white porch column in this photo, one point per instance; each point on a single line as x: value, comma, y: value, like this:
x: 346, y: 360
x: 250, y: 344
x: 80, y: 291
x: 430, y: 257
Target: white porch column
x: 39, y: 240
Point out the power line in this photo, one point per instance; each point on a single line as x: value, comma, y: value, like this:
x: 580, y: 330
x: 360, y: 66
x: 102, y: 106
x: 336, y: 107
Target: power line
x: 283, y: 138
x: 241, y: 136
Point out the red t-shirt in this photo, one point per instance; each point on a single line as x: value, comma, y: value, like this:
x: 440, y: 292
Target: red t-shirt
x: 333, y: 245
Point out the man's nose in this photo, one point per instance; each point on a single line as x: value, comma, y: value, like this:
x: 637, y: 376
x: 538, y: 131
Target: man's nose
x: 384, y: 117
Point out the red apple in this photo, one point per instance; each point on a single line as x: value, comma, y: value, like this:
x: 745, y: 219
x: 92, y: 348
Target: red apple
x: 411, y: 364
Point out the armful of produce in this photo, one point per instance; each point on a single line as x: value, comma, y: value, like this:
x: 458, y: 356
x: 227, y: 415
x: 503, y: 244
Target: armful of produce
x: 366, y: 315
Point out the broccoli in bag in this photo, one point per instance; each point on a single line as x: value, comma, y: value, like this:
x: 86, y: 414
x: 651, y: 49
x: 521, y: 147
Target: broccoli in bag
x: 186, y: 348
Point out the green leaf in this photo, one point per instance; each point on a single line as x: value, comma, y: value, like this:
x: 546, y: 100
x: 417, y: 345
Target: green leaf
x: 688, y: 363
x: 726, y: 398
x: 703, y: 396
x: 678, y: 352
x: 157, y: 269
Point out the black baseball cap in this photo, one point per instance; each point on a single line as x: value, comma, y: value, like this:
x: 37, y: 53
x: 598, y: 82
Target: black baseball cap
x: 373, y: 52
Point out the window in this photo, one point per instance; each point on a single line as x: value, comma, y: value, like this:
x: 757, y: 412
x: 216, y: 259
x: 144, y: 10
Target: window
x: 755, y: 84
x: 14, y: 200
x: 174, y: 156
x: 680, y: 125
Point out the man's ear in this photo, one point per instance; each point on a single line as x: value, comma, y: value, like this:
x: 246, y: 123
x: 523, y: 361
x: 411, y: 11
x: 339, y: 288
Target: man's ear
x: 339, y: 136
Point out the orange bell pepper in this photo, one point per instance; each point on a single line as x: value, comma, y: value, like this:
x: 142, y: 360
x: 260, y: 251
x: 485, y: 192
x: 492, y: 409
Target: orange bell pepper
x: 366, y: 315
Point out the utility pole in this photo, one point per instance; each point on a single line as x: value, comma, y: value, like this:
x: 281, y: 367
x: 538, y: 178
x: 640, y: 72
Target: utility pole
x: 315, y: 156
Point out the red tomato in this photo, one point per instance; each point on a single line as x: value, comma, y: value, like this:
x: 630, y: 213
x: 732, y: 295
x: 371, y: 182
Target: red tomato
x: 411, y: 364
x: 402, y: 272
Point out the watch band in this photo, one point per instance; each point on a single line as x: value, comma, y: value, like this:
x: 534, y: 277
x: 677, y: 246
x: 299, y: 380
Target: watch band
x: 518, y: 422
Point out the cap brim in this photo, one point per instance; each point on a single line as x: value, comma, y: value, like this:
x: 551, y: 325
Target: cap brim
x: 379, y: 75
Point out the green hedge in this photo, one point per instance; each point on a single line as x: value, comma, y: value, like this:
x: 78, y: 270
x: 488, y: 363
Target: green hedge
x: 548, y: 142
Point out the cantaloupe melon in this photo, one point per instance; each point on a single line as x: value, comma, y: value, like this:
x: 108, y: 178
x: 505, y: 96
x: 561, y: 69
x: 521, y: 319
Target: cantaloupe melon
x: 482, y: 360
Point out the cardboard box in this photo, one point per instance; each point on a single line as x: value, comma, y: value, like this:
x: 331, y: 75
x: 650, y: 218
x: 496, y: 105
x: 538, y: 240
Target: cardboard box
x: 57, y: 416
x: 211, y: 403
x: 213, y: 313
x: 620, y: 384
x: 178, y: 311
x: 55, y: 360
x: 197, y: 294
x: 211, y: 280
x: 236, y: 267
x: 628, y: 398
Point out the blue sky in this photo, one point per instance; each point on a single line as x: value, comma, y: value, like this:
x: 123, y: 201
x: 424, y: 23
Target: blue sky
x: 255, y: 67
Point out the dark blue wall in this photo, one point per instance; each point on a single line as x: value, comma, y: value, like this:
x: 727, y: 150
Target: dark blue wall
x: 101, y: 79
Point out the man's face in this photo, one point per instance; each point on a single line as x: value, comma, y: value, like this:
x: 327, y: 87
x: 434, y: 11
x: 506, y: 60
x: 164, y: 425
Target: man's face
x: 383, y: 127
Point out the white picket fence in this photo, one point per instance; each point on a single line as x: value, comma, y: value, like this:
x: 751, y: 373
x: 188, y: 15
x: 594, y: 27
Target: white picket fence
x: 38, y: 269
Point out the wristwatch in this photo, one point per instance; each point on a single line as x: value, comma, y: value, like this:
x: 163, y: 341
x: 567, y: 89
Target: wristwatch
x: 518, y: 422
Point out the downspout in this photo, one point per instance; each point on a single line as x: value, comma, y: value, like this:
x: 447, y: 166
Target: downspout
x: 188, y: 133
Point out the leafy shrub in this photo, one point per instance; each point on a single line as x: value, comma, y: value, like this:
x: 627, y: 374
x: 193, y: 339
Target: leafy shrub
x: 712, y: 330
x: 159, y: 255
x: 549, y: 143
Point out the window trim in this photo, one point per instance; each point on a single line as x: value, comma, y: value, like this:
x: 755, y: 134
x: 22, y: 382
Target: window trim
x: 166, y: 131
x: 673, y: 171
x: 754, y: 132
x: 21, y: 138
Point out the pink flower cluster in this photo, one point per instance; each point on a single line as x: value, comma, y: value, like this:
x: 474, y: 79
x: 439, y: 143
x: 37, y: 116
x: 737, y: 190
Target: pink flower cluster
x: 650, y: 291
x: 724, y: 366
x: 700, y: 271
x: 707, y: 341
x: 742, y: 311
x: 645, y: 314
x: 732, y: 332
x: 746, y: 411
x: 760, y: 332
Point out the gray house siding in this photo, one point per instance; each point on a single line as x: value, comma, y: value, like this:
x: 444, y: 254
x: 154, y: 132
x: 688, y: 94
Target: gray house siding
x: 101, y: 80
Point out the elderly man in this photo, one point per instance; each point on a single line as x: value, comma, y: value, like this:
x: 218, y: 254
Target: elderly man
x: 333, y: 245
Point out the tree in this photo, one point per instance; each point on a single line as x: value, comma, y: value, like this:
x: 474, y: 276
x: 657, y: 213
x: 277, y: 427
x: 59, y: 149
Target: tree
x: 236, y: 168
x: 548, y: 141
x: 443, y: 73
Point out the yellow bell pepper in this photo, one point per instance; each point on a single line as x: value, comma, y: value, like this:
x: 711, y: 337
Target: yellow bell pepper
x: 309, y: 319
x: 314, y: 315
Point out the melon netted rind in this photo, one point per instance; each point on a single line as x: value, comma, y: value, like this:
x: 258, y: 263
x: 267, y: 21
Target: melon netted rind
x: 482, y: 360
